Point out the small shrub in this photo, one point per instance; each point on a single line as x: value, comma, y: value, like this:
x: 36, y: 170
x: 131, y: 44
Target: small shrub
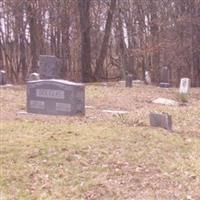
x: 183, y: 98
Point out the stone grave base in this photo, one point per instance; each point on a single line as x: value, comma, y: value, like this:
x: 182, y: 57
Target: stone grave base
x: 6, y: 86
x: 115, y: 112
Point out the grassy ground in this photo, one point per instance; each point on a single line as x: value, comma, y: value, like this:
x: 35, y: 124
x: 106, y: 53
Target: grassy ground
x: 100, y: 156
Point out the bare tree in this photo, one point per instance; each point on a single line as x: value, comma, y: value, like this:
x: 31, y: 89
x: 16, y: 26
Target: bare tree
x: 84, y: 11
x: 104, y: 46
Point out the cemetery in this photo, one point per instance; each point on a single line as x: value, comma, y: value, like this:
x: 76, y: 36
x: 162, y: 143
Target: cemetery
x: 96, y: 139
x: 99, y: 100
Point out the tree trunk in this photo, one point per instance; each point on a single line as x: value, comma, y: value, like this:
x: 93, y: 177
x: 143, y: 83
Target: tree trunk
x: 84, y: 11
x: 104, y: 46
x: 31, y: 11
x: 155, y: 41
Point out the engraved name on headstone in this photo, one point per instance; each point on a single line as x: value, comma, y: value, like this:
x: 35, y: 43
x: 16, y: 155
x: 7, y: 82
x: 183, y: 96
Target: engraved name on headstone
x: 50, y: 67
x: 55, y: 97
x: 184, y: 86
x: 3, y: 78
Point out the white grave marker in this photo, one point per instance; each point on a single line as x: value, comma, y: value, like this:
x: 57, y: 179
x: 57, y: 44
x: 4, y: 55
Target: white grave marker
x: 184, y: 86
x: 147, y: 77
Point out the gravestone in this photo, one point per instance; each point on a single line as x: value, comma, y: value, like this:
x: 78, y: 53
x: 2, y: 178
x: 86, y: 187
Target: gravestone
x: 164, y: 77
x: 34, y: 76
x: 115, y: 112
x: 50, y: 67
x: 184, y: 86
x: 55, y: 97
x: 164, y: 101
x: 3, y: 78
x: 162, y: 120
x: 147, y: 77
x: 129, y: 79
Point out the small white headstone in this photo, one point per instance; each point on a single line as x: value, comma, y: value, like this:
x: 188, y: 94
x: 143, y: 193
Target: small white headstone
x: 147, y: 77
x: 184, y: 86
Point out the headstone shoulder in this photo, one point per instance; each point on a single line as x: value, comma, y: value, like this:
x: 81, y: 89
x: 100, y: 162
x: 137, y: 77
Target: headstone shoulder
x: 56, y: 81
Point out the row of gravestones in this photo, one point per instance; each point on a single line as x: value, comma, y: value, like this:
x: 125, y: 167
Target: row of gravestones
x: 164, y: 120
x: 48, y: 94
x: 184, y: 83
x: 52, y: 96
x: 164, y: 78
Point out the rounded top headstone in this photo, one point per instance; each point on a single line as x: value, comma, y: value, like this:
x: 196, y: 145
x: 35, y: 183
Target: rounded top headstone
x: 34, y: 76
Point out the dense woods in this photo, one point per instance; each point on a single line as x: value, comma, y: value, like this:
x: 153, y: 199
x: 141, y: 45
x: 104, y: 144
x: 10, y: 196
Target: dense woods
x: 102, y: 39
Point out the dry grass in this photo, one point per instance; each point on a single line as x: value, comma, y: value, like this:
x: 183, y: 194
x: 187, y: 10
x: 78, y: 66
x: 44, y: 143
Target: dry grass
x: 101, y: 156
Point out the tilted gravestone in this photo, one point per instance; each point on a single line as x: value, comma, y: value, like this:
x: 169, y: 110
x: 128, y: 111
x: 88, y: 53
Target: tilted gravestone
x: 55, y: 97
x: 50, y: 67
x: 129, y: 80
x: 162, y: 120
x: 184, y: 86
x: 3, y: 78
x: 164, y: 77
x: 34, y: 76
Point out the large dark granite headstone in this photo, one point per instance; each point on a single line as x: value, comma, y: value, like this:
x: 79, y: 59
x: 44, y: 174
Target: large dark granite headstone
x: 50, y: 67
x: 3, y: 79
x: 164, y: 77
x: 162, y: 120
x: 55, y: 97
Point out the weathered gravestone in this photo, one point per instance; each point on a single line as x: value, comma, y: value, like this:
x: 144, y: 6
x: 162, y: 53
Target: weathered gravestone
x: 3, y: 79
x: 34, y: 76
x: 129, y: 80
x: 55, y: 97
x: 184, y: 86
x: 50, y: 67
x: 164, y: 77
x: 162, y: 120
x: 147, y: 77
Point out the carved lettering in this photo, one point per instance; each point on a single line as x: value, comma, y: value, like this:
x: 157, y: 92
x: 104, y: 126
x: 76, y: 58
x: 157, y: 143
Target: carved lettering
x: 52, y: 94
x: 37, y: 104
x: 63, y: 107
